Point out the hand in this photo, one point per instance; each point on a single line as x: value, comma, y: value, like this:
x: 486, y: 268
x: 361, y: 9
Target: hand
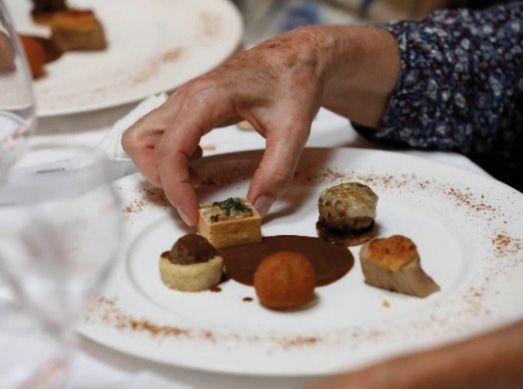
x: 493, y: 360
x: 278, y: 86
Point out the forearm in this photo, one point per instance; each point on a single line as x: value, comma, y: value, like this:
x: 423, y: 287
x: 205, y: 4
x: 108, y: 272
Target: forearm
x: 361, y: 73
x: 493, y: 360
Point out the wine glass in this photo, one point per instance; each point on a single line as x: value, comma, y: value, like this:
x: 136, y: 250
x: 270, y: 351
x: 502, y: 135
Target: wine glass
x: 17, y: 102
x: 63, y: 230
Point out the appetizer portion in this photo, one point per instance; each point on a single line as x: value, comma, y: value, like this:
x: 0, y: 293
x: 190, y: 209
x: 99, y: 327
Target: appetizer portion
x: 285, y: 280
x: 191, y: 265
x: 77, y: 30
x: 346, y: 214
x: 39, y: 52
x: 35, y: 54
x: 44, y: 11
x: 231, y: 222
x: 394, y: 264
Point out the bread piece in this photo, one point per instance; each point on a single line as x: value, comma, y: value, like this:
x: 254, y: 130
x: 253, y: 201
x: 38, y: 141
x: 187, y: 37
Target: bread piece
x: 394, y: 264
x: 77, y: 30
x: 191, y: 265
x: 346, y: 238
x: 232, y: 222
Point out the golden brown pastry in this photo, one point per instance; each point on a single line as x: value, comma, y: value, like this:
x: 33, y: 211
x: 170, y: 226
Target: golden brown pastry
x: 44, y: 11
x: 346, y: 214
x: 394, y: 264
x: 231, y: 222
x: 35, y: 54
x: 77, y: 30
x: 285, y: 280
x: 191, y: 265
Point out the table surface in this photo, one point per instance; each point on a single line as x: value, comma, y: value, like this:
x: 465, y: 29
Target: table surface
x: 96, y: 366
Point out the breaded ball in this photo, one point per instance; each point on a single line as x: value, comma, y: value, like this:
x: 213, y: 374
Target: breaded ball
x: 285, y: 280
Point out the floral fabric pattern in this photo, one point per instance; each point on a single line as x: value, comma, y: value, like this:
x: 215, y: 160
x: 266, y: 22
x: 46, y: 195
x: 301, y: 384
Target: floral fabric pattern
x: 461, y: 87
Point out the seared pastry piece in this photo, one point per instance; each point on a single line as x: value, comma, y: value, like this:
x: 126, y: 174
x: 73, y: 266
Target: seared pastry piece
x: 77, y: 30
x: 285, y: 280
x: 347, y: 212
x: 52, y: 52
x: 44, y: 11
x: 394, y: 264
x: 191, y: 265
x: 35, y: 54
x: 231, y: 222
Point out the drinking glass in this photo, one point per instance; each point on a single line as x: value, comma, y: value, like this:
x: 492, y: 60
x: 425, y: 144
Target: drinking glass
x: 17, y: 122
x: 17, y: 102
x: 63, y: 230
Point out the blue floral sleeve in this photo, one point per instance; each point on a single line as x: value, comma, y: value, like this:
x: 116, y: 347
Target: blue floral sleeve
x: 461, y: 87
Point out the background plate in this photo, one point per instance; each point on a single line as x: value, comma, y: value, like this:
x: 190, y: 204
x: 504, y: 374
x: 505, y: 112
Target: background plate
x: 153, y: 46
x: 467, y: 227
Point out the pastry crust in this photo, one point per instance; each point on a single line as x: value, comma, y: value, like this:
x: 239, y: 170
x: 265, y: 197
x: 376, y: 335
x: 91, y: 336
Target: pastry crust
x: 192, y: 277
x: 229, y: 230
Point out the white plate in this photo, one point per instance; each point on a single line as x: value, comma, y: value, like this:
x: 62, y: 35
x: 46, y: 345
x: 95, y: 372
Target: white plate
x: 153, y: 46
x: 468, y: 229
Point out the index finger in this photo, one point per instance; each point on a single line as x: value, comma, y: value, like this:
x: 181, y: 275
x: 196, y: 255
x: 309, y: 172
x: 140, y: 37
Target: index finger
x: 180, y: 140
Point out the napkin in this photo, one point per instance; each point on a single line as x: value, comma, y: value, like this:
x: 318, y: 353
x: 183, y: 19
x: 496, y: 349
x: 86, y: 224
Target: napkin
x: 111, y: 145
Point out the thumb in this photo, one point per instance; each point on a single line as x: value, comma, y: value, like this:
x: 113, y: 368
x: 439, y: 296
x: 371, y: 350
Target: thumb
x: 276, y: 169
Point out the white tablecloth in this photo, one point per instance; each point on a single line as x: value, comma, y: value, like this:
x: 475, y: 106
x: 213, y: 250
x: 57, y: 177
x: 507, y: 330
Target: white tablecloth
x: 95, y: 366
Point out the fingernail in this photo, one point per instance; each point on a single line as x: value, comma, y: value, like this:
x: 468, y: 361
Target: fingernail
x: 185, y: 217
x: 262, y: 204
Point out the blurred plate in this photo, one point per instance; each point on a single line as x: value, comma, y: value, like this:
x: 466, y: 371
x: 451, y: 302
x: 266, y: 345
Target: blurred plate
x: 153, y: 46
x: 468, y: 229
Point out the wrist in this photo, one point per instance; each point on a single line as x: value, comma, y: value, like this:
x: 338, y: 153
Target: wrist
x: 361, y: 72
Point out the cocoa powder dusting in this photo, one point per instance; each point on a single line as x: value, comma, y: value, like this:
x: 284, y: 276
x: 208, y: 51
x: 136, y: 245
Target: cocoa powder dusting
x: 147, y: 196
x: 107, y: 311
x: 210, y: 24
x: 505, y: 245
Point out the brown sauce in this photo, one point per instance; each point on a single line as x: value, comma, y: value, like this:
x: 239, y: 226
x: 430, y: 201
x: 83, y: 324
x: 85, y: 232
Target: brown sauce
x: 330, y: 261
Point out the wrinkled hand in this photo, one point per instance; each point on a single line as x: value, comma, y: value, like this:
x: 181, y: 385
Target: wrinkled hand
x: 276, y: 86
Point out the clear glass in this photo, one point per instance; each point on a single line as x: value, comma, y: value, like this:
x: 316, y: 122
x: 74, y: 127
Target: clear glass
x: 17, y: 102
x: 61, y: 230
x: 17, y: 122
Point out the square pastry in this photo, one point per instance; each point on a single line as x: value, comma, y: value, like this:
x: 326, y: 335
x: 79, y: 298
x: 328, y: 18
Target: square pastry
x: 231, y: 222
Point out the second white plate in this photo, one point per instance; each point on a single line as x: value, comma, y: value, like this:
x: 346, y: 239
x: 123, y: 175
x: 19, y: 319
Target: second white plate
x: 153, y: 46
